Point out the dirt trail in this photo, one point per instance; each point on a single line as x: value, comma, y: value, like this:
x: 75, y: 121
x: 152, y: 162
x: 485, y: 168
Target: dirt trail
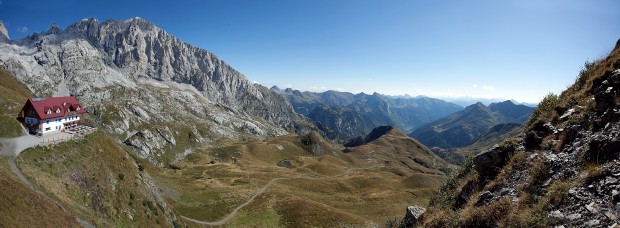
x: 263, y: 189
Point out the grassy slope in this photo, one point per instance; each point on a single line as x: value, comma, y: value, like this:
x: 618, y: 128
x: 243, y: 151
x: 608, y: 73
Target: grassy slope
x: 208, y: 190
x: 12, y: 99
x: 96, y: 179
x: 22, y: 207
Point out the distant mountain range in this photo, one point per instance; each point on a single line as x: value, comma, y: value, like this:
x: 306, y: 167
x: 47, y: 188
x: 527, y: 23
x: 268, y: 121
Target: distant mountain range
x: 467, y: 101
x: 487, y: 140
x: 464, y: 127
x: 343, y: 115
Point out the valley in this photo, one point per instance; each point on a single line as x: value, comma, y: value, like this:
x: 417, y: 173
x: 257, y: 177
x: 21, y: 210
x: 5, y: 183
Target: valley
x: 183, y: 139
x: 174, y: 150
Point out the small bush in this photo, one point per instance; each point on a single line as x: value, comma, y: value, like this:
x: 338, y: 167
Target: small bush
x: 174, y: 166
x: 149, y: 204
x: 558, y: 193
x: 446, y: 194
x: 486, y: 216
x: 586, y: 72
x: 539, y: 171
x: 545, y: 109
x: 532, y: 213
x: 441, y: 218
x: 526, y: 217
x: 592, y: 173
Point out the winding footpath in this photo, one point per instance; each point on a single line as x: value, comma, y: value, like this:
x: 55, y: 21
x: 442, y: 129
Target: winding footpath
x: 262, y: 190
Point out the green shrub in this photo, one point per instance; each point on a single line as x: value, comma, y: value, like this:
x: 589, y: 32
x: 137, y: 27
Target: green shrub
x: 558, y: 193
x: 586, y: 72
x: 486, y: 216
x: 539, y: 172
x: 446, y: 194
x: 545, y: 109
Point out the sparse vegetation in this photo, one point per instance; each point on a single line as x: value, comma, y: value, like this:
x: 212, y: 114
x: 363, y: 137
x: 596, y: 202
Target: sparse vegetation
x: 22, y: 207
x: 446, y: 197
x: 545, y: 109
x: 517, y: 161
x: 80, y: 175
x: 538, y: 171
x: 485, y: 216
x: 592, y: 172
x: 13, y: 97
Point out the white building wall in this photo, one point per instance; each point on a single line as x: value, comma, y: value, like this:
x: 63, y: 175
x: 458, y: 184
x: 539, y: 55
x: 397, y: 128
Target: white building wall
x: 56, y: 124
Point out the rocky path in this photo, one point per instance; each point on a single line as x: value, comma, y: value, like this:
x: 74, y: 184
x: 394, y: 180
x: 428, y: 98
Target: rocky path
x: 263, y: 189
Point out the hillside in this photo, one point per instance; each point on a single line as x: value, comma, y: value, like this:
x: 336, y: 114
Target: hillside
x: 386, y: 143
x: 132, y: 74
x: 562, y: 172
x: 462, y: 128
x: 343, y: 115
x: 487, y: 140
x: 318, y: 184
x: 14, y: 96
x: 99, y: 181
x: 22, y: 207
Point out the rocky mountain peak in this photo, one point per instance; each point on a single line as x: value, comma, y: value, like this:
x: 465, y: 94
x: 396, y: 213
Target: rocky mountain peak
x: 377, y: 133
x: 54, y: 29
x: 276, y: 89
x: 478, y: 105
x: 84, y: 25
x: 506, y: 103
x: 3, y: 31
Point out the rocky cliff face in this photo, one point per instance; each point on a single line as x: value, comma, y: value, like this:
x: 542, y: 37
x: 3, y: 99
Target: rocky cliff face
x: 139, y: 78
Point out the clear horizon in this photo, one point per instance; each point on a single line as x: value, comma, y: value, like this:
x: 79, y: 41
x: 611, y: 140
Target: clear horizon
x: 518, y: 50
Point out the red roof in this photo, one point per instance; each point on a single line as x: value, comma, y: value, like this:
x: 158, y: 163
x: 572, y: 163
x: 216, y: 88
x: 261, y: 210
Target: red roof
x: 53, y: 107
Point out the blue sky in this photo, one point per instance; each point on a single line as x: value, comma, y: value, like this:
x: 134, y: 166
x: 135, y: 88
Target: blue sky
x: 510, y: 49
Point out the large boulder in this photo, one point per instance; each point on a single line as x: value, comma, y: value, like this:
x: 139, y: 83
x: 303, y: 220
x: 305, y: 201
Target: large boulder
x: 412, y: 215
x: 490, y: 162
